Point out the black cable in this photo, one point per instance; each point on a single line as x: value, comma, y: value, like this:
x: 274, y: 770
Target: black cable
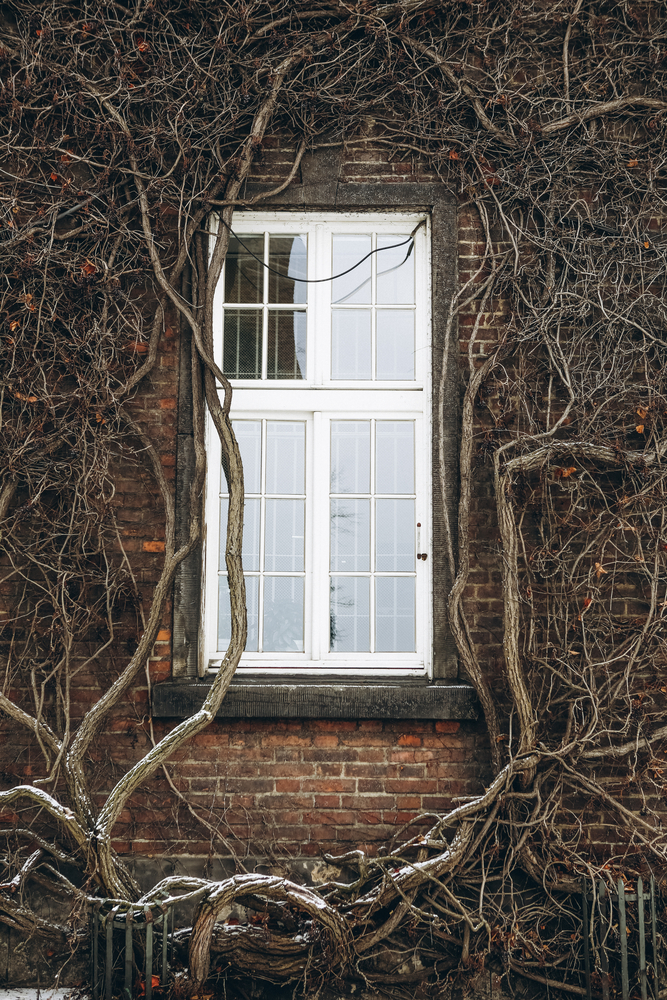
x: 316, y: 281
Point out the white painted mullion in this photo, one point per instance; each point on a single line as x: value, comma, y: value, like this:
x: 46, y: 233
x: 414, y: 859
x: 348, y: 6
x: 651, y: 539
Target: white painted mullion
x: 371, y: 582
x: 318, y: 565
x: 262, y: 533
x: 265, y: 310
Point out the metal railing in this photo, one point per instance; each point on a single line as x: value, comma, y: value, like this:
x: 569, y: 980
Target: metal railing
x: 134, y: 921
x: 607, y: 936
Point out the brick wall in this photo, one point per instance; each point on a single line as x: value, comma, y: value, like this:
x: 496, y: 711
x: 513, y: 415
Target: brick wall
x: 281, y: 788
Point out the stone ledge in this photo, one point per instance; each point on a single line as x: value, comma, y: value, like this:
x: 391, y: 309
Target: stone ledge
x: 179, y: 699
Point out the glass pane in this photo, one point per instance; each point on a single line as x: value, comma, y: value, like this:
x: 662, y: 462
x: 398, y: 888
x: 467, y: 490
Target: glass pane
x: 283, y: 614
x: 394, y: 456
x: 395, y: 344
x: 251, y: 515
x: 355, y: 286
x: 287, y: 345
x: 395, y: 535
x: 350, y: 535
x: 243, y: 274
x: 242, y: 343
x: 287, y: 254
x: 249, y: 436
x: 285, y: 454
x: 349, y: 622
x: 351, y: 344
x: 283, y: 538
x: 350, y: 456
x: 225, y: 617
x: 395, y: 614
x: 395, y: 271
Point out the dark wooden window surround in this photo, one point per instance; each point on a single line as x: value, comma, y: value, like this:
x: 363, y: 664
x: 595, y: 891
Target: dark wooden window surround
x: 444, y: 696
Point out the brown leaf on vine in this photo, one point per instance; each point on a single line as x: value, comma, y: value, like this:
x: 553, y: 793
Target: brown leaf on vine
x: 639, y: 428
x: 136, y: 347
x: 453, y: 155
x: 88, y: 267
x: 633, y: 163
x: 600, y: 570
x: 565, y: 473
x: 642, y: 412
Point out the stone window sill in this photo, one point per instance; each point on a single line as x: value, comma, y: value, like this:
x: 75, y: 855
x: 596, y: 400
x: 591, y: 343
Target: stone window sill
x: 254, y: 699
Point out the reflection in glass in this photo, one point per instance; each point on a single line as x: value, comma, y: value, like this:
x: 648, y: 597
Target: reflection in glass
x: 395, y: 344
x: 395, y: 614
x: 251, y: 516
x: 285, y: 454
x: 394, y: 535
x: 244, y: 275
x: 287, y: 344
x: 350, y: 535
x: 395, y: 271
x: 288, y: 255
x: 249, y: 436
x: 283, y: 614
x: 355, y: 286
x: 283, y: 536
x: 394, y: 456
x: 242, y: 343
x: 350, y: 456
x: 351, y: 344
x: 225, y: 616
x: 349, y: 617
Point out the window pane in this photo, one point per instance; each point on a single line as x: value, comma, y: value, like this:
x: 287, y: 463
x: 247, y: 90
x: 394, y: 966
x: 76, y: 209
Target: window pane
x: 394, y: 535
x: 350, y: 456
x: 394, y: 456
x: 283, y: 614
x: 395, y: 344
x: 355, y: 286
x: 251, y: 516
x: 244, y: 275
x: 395, y: 272
x: 350, y: 535
x: 287, y: 254
x: 287, y: 344
x: 285, y: 453
x: 249, y: 436
x: 242, y: 343
x: 283, y: 538
x: 395, y: 614
x: 351, y: 344
x: 225, y: 616
x: 349, y: 622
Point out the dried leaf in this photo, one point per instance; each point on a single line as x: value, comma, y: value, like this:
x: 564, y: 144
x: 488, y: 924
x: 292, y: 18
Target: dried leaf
x: 453, y: 155
x: 89, y: 268
x: 646, y: 244
x: 633, y: 163
x: 639, y: 428
x: 54, y: 177
x: 565, y: 473
x: 15, y: 324
x: 599, y: 570
x: 136, y: 347
x: 642, y: 412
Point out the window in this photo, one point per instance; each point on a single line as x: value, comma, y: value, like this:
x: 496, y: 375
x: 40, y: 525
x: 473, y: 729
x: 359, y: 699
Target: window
x: 331, y: 409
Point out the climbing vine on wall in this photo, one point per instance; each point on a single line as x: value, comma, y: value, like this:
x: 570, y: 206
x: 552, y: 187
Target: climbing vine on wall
x: 123, y: 128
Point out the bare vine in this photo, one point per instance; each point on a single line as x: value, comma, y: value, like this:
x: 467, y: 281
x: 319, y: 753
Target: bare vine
x: 123, y: 127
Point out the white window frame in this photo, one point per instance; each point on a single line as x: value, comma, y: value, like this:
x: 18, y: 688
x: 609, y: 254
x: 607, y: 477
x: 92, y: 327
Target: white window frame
x: 318, y: 399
